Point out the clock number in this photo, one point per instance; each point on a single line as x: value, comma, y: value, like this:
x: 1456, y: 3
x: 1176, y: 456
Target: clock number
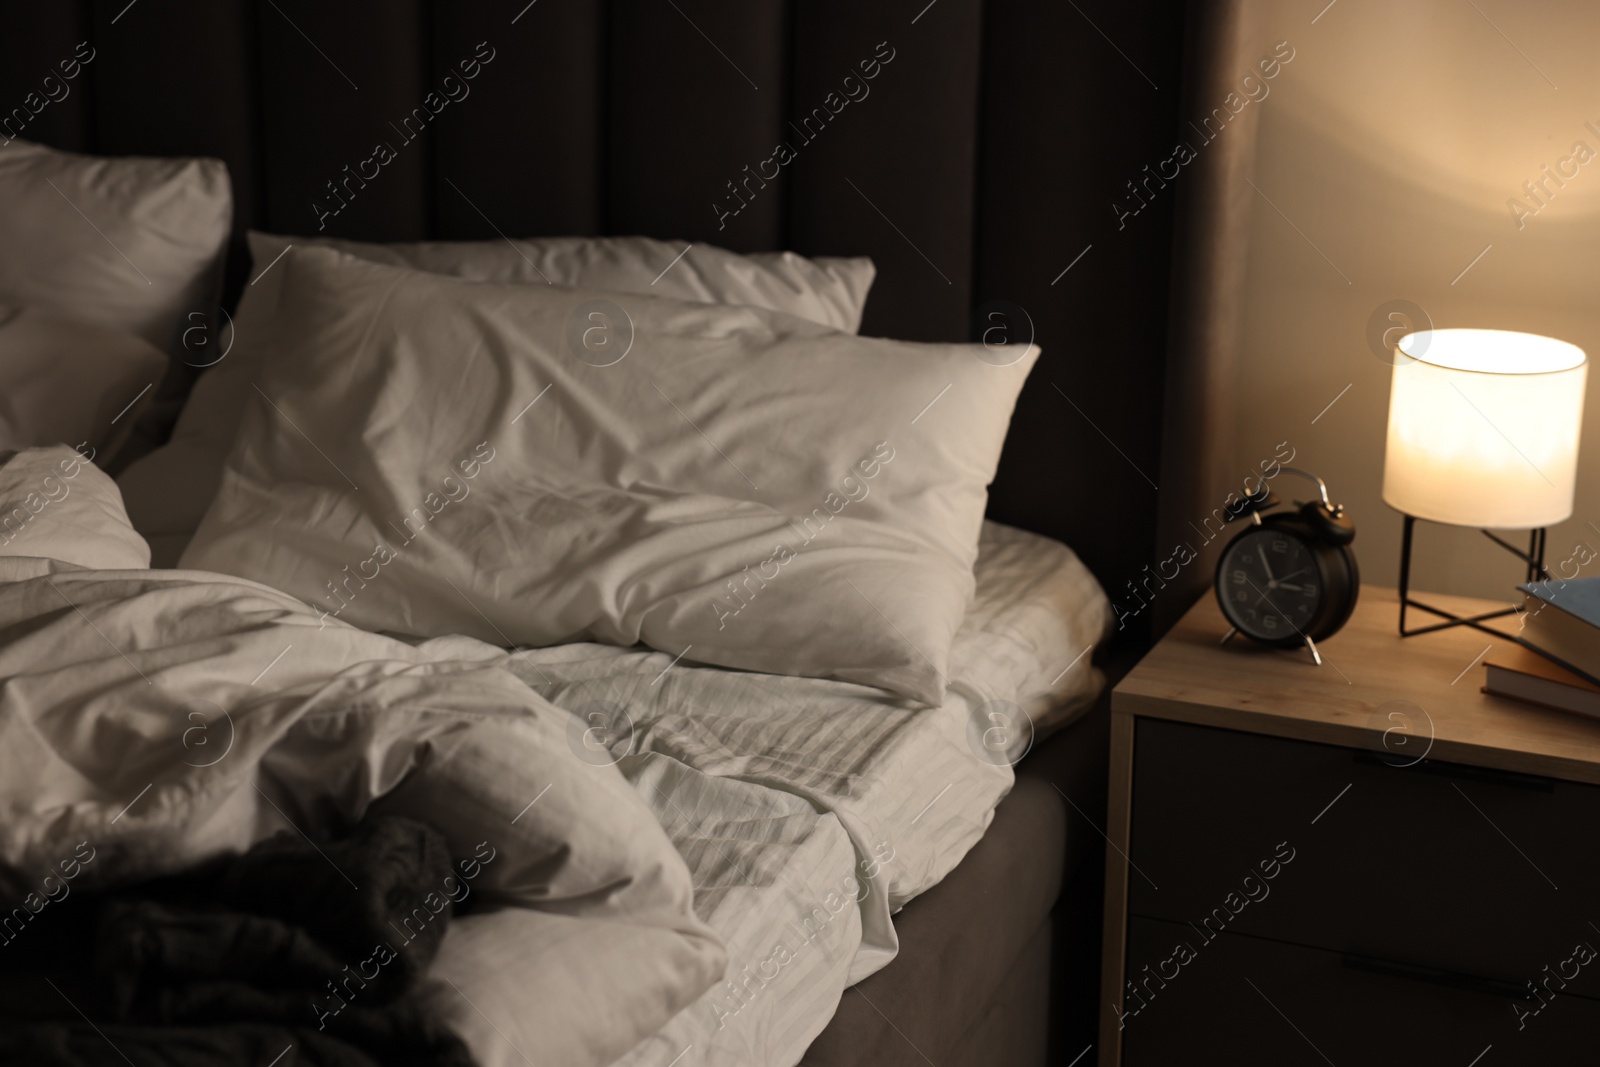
x: 1270, y: 622
x: 1310, y: 589
x: 1280, y: 547
x: 1240, y: 577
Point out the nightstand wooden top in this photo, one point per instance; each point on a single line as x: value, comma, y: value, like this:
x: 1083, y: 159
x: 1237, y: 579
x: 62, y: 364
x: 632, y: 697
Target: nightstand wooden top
x: 1372, y: 680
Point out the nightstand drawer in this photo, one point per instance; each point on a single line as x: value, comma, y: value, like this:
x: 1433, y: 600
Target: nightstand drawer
x: 1436, y: 865
x: 1245, y: 1000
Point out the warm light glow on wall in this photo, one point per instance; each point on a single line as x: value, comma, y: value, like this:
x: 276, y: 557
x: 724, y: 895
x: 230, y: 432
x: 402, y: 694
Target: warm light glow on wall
x: 1483, y: 428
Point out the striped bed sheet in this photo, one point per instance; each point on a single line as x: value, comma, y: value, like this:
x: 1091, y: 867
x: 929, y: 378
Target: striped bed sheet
x: 808, y: 810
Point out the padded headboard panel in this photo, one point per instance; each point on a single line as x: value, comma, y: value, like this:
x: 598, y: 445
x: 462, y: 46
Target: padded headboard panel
x: 981, y: 163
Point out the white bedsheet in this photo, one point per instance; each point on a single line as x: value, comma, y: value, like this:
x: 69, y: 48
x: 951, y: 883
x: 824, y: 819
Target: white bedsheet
x: 790, y: 798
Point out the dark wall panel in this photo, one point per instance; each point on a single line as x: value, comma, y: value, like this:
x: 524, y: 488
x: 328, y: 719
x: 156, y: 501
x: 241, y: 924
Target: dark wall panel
x: 156, y: 115
x: 894, y: 172
x: 697, y: 94
x: 34, y: 40
x: 526, y: 146
x: 1069, y: 121
x: 339, y: 80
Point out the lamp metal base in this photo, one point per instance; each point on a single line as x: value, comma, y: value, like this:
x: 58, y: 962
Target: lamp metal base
x: 1533, y: 561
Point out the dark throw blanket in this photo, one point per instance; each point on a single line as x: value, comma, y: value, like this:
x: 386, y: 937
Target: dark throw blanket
x: 290, y: 955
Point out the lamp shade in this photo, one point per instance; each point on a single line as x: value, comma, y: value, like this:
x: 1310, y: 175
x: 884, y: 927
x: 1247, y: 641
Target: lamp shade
x: 1483, y: 428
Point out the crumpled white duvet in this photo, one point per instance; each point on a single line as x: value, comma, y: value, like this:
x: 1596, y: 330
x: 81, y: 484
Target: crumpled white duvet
x: 166, y: 716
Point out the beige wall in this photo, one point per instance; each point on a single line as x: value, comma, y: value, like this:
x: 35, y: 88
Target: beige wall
x: 1393, y: 141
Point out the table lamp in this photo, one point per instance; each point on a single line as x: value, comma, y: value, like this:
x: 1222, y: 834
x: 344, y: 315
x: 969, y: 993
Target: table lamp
x: 1483, y: 431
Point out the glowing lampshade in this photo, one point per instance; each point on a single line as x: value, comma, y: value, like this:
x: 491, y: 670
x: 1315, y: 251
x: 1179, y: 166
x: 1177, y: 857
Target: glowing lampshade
x: 1483, y: 428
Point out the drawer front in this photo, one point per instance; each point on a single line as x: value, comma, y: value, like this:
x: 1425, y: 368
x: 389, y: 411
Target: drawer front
x: 1243, y: 1000
x: 1437, y: 865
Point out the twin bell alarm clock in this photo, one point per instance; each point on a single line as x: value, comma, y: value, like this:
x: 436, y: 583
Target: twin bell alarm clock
x: 1289, y: 578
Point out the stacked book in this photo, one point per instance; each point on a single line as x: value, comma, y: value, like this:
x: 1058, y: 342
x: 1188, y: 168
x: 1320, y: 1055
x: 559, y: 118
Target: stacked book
x: 1561, y: 620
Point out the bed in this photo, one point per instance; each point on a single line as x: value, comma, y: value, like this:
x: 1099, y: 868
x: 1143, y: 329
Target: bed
x: 628, y: 118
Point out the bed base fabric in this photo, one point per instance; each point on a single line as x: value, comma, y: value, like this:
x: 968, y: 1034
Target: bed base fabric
x: 974, y: 955
x: 1011, y: 1028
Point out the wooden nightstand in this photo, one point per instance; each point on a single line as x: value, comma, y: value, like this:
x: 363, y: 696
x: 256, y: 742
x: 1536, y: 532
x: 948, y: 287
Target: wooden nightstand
x: 1367, y: 863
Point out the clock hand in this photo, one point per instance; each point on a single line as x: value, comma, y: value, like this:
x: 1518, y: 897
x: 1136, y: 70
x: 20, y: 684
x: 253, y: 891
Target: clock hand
x: 1296, y: 574
x: 1260, y: 595
x: 1291, y: 588
x: 1271, y: 581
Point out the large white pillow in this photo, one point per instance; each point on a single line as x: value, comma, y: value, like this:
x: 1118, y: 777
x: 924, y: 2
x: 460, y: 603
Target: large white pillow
x: 57, y: 505
x: 169, y: 490
x: 128, y: 243
x: 827, y: 289
x: 534, y: 464
x: 64, y: 381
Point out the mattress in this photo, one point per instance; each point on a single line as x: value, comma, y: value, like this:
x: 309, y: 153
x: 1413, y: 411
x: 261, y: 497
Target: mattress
x: 810, y: 811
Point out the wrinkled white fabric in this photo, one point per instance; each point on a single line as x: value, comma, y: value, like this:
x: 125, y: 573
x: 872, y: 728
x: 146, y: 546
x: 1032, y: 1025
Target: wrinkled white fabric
x: 806, y: 811
x: 169, y: 490
x: 54, y: 502
x: 166, y: 222
x: 64, y: 381
x: 163, y: 717
x: 810, y: 810
x: 432, y: 456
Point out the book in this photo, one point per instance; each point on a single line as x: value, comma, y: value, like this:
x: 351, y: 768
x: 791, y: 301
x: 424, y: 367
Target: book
x: 1521, y: 674
x: 1562, y: 618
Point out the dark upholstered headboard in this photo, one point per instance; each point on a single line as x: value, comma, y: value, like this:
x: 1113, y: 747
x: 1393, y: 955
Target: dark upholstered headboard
x: 998, y: 153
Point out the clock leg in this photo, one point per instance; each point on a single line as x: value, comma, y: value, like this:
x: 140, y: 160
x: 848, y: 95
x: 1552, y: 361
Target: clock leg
x: 1316, y: 657
x: 1227, y: 636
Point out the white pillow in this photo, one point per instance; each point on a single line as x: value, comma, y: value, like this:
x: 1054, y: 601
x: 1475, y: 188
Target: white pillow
x: 63, y: 381
x: 827, y: 289
x: 56, y: 504
x: 429, y: 456
x: 169, y: 490
x: 127, y: 243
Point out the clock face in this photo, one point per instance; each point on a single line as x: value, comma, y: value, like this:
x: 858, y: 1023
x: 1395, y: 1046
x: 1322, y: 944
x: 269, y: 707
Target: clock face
x: 1270, y: 585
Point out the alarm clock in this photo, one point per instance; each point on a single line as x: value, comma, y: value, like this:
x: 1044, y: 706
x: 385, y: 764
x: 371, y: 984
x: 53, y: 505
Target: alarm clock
x: 1290, y: 578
